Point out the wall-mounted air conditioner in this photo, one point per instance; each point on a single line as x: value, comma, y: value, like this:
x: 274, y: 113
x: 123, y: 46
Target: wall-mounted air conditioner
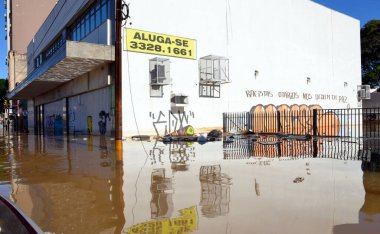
x: 179, y: 99
x: 364, y: 92
x: 213, y: 70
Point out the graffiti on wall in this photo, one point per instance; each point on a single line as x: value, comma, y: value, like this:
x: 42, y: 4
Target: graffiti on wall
x: 72, y: 118
x: 166, y: 123
x: 294, y: 119
x: 296, y: 95
x: 54, y: 125
x: 103, y: 116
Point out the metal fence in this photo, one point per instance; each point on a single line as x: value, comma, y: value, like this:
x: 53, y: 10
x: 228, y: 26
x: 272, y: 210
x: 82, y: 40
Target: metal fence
x: 290, y: 149
x: 351, y: 123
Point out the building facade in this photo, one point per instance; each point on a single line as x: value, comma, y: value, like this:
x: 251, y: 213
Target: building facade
x: 18, y: 35
x: 69, y: 70
x: 194, y: 62
x: 186, y: 64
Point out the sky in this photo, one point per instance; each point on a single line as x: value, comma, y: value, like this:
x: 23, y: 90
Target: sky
x: 363, y: 10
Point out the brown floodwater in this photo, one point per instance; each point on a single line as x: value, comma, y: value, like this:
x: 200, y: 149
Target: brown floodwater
x: 74, y: 185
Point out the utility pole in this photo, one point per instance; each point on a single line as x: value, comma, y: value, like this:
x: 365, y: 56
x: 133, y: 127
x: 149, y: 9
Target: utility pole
x: 118, y: 85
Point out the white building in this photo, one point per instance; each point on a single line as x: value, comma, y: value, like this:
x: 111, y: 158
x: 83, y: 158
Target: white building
x: 240, y: 54
x: 222, y: 56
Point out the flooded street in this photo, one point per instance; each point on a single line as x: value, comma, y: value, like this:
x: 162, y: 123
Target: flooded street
x: 74, y: 185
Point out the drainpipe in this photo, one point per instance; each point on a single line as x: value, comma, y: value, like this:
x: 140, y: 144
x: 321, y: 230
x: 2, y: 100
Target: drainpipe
x: 118, y: 84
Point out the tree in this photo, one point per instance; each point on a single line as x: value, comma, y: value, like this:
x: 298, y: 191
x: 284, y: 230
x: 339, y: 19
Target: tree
x: 370, y: 43
x: 3, y: 93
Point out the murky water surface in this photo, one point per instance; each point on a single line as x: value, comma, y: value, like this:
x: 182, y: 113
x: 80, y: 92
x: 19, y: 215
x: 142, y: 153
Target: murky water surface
x: 74, y: 185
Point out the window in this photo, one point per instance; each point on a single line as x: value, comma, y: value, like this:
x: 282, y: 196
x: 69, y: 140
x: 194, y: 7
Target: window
x: 38, y: 61
x: 96, y: 15
x: 50, y: 51
x: 209, y: 91
x: 104, y: 11
x: 53, y: 48
x: 87, y: 24
x: 92, y: 20
x: 82, y: 30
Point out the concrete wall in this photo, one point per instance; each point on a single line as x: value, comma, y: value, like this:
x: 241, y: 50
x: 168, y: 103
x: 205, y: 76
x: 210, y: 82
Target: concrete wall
x: 285, y: 41
x: 25, y: 11
x: 96, y: 79
x: 54, y: 118
x: 87, y: 95
x: 16, y: 69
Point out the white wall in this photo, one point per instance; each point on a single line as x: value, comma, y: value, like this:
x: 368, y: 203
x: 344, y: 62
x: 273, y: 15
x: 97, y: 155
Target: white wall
x: 286, y: 41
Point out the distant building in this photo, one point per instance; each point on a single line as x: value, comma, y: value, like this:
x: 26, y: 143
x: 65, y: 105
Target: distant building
x: 187, y: 64
x: 69, y: 72
x: 23, y: 19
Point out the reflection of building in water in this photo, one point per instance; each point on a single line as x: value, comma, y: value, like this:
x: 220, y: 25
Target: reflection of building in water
x: 66, y: 193
x: 267, y: 147
x: 369, y: 213
x: 161, y: 204
x: 186, y: 223
x: 215, y: 196
x: 180, y: 155
x: 337, y: 148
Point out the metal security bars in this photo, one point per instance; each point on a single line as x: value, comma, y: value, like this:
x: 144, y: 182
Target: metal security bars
x: 264, y: 148
x: 347, y: 123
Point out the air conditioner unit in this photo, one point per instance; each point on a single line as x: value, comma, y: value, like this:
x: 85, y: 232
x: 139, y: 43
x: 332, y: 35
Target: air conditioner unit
x: 213, y: 70
x: 179, y: 100
x: 364, y: 92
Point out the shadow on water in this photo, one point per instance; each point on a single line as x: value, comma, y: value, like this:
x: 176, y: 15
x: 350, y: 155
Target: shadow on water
x: 74, y: 185
x: 64, y: 186
x: 369, y: 213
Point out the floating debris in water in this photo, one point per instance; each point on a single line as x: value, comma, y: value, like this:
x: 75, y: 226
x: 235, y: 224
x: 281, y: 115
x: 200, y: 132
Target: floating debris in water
x: 298, y: 180
x: 141, y: 138
x: 257, y: 188
x: 228, y: 140
x: 202, y: 139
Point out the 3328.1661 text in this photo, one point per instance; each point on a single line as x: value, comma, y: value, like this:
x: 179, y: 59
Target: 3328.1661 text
x: 160, y: 49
